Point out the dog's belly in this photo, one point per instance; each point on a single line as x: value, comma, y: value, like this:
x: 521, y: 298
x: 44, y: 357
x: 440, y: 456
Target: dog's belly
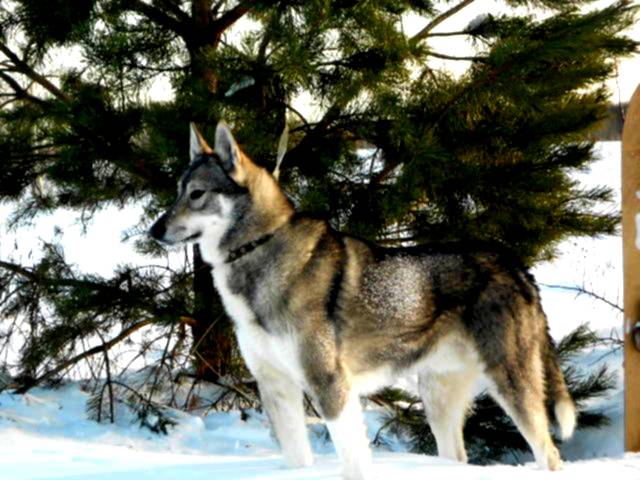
x: 373, y: 380
x: 454, y: 352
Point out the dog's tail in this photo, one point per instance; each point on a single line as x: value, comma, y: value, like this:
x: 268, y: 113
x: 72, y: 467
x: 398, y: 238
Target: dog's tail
x: 558, y: 394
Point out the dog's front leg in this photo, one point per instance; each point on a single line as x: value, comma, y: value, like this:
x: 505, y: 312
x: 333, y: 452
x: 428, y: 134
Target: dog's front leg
x: 349, y: 436
x: 340, y: 406
x: 282, y: 400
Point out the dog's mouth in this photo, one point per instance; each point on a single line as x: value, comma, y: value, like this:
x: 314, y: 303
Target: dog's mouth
x: 172, y: 242
x: 193, y: 237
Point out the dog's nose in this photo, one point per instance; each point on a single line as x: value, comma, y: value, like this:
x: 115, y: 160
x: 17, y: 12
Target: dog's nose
x: 158, y: 229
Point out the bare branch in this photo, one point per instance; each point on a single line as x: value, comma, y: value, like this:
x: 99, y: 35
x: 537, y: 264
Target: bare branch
x: 439, y: 19
x: 584, y: 291
x: 109, y: 384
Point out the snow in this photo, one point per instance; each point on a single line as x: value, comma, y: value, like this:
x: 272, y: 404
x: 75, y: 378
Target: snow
x: 45, y: 434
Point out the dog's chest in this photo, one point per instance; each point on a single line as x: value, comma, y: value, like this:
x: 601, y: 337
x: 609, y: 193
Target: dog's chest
x: 266, y: 353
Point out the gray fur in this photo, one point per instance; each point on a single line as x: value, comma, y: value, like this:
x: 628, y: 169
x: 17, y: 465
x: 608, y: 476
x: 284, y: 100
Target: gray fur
x: 455, y: 313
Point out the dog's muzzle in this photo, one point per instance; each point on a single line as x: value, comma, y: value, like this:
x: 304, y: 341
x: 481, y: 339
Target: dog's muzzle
x: 158, y: 232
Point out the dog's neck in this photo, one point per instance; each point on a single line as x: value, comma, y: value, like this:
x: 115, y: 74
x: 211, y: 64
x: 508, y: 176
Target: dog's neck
x: 247, y: 248
x: 255, y: 220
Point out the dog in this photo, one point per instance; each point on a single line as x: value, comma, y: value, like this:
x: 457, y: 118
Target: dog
x: 321, y: 312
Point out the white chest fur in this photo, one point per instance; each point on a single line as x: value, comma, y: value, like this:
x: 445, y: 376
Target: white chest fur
x: 266, y: 354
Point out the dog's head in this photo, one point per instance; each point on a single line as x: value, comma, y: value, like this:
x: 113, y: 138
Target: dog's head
x: 220, y: 186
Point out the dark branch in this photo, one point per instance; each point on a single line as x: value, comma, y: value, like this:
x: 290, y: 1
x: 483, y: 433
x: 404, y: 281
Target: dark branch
x: 27, y: 70
x: 299, y: 155
x: 174, y: 8
x: 159, y: 17
x: 231, y: 16
x: 19, y: 91
x: 216, y: 7
x: 40, y: 279
x: 63, y: 282
x: 447, y: 34
x: 450, y: 57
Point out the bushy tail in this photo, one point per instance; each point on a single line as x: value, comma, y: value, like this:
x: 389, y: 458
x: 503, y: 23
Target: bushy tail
x: 558, y: 394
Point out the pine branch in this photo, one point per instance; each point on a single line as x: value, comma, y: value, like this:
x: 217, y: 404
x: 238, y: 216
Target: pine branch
x: 29, y: 384
x: 439, y: 19
x: 20, y: 93
x: 63, y: 282
x: 143, y: 408
x: 27, y: 70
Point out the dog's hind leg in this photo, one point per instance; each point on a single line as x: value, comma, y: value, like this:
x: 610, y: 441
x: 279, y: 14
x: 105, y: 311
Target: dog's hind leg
x: 283, y: 401
x: 446, y: 397
x: 518, y: 386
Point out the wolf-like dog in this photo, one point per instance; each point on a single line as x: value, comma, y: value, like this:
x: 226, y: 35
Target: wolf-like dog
x: 322, y: 312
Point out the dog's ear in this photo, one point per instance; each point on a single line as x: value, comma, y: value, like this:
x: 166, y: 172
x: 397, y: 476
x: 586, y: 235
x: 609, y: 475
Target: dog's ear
x: 226, y: 146
x: 197, y: 144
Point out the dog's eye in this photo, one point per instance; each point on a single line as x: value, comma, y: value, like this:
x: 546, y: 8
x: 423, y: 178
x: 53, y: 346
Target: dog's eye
x: 196, y: 194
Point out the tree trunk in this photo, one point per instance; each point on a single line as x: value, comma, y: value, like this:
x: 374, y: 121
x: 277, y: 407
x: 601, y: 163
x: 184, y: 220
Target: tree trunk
x: 204, y: 38
x: 213, y: 337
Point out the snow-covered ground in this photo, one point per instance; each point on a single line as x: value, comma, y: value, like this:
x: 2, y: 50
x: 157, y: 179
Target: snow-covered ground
x: 46, y: 433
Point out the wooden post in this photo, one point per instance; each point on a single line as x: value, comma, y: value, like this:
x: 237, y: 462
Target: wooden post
x: 631, y: 253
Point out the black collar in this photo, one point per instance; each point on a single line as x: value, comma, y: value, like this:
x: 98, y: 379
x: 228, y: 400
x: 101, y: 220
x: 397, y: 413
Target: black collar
x: 247, y: 248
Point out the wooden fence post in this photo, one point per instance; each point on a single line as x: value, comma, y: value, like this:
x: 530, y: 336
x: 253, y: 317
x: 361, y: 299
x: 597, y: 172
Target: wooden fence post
x: 631, y: 262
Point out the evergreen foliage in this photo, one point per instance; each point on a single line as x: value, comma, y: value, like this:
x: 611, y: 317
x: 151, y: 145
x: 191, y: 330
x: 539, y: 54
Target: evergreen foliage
x: 395, y: 150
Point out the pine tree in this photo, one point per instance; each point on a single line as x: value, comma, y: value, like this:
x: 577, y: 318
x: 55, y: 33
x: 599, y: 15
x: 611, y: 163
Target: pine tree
x: 398, y: 151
